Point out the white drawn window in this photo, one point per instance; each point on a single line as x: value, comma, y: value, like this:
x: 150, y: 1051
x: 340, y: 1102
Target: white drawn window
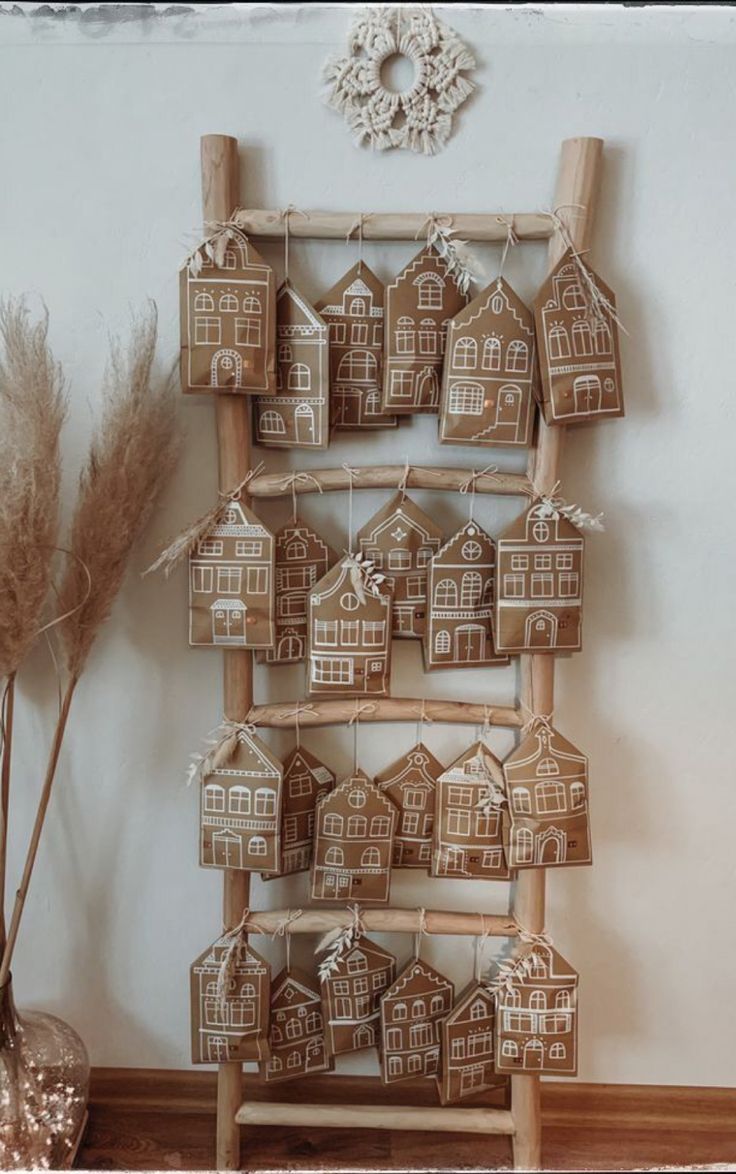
x: 357, y: 826
x: 540, y: 532
x: 424, y: 554
x: 539, y: 966
x: 400, y: 1011
x: 290, y: 577
x: 239, y: 801
x: 562, y: 1000
x: 272, y: 422
x: 380, y: 980
x: 300, y: 377
x: 577, y: 794
x: 582, y: 339
x: 380, y: 825
x: 342, y: 986
x: 300, y: 784
x: 204, y: 303
x: 518, y: 1021
x: 375, y: 666
x: 333, y: 824
x: 229, y: 580
x: 418, y: 1009
x: 202, y: 578
x: 569, y: 585
x: 458, y: 823
x: 291, y: 606
x: 557, y: 1052
x: 349, y: 630
x: 442, y: 641
x: 228, y: 304
x: 471, y: 590
x: 290, y: 829
x: 373, y: 404
x: 601, y: 338
x: 335, y: 855
x: 430, y: 288
x: 414, y: 797
x: 555, y: 1024
x: 547, y: 767
x: 247, y: 548
x: 405, y: 336
x: 558, y: 343
x: 414, y: 1063
x: 550, y: 798
x: 478, y: 1009
x: 337, y: 332
x: 563, y: 562
x: 542, y: 585
x: 517, y: 357
x: 214, y: 797
x: 247, y: 332
x: 524, y: 841
x: 402, y: 384
x: 543, y: 562
x: 257, y: 846
x: 357, y: 963
x: 325, y: 632
x: 393, y: 1042
x: 538, y: 1001
x: 458, y: 796
x: 257, y: 580
x: 466, y: 399
x: 207, y: 331
x: 373, y: 631
x: 465, y: 353
x: 519, y: 562
x: 314, y: 1022
x: 491, y: 858
x: 358, y: 366
x: 296, y: 550
x: 334, y: 671
x: 265, y: 801
x: 428, y: 337
x: 399, y: 560
x: 486, y: 823
x: 479, y: 1044
x: 343, y: 1008
x: 285, y: 353
x: 371, y: 857
x: 410, y: 823
x: 437, y: 1004
x: 471, y: 551
x: 251, y: 305
x: 509, y: 1049
x: 359, y: 334
x: 394, y: 1064
x: 349, y: 601
x: 573, y: 298
x: 356, y: 798
x: 457, y: 1048
x: 522, y: 800
x: 492, y: 354
x: 357, y: 308
x: 420, y: 1035
x: 445, y: 593
x: 415, y: 586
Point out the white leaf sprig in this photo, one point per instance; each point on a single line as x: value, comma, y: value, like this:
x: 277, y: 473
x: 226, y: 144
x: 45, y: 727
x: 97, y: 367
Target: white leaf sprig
x: 461, y: 263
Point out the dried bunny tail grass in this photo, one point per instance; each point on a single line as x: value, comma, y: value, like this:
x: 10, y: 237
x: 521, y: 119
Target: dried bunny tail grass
x: 132, y: 454
x: 32, y: 411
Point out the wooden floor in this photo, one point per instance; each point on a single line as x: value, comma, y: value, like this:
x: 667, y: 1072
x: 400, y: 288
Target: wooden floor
x: 165, y: 1121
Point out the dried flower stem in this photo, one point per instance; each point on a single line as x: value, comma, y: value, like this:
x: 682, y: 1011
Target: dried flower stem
x: 6, y: 717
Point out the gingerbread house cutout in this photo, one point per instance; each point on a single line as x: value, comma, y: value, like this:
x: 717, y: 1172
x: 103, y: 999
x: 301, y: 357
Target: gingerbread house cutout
x: 460, y: 592
x: 420, y: 303
x: 297, y: 1029
x: 468, y: 828
x: 547, y: 788
x: 297, y: 415
x: 411, y: 1012
x: 410, y: 784
x: 353, y: 311
x: 234, y: 1026
x: 349, y: 633
x: 489, y: 371
x: 306, y: 780
x: 231, y: 572
x: 467, y: 1039
x: 578, y: 348
x: 353, y: 843
x: 539, y: 591
x: 302, y: 558
x: 400, y: 541
x: 536, y: 1016
x: 351, y: 997
x: 240, y: 809
x: 228, y: 321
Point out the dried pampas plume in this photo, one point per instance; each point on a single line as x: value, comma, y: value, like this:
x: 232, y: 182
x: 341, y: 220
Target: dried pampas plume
x: 32, y: 410
x: 131, y: 457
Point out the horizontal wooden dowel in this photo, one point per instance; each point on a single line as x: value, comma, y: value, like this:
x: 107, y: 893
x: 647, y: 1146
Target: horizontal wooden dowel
x: 388, y: 477
x: 439, y: 922
x: 395, y: 226
x: 443, y: 1120
x: 284, y: 715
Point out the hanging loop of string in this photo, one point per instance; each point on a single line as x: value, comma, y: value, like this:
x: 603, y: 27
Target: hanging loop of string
x: 485, y: 727
x: 358, y: 226
x: 535, y: 719
x: 478, y: 945
x: 420, y: 932
x: 364, y: 707
x: 511, y: 240
x: 291, y: 480
x: 468, y: 486
x: 404, y: 479
x: 301, y: 707
x: 282, y: 931
x: 434, y: 223
x: 286, y: 214
x: 351, y: 474
x: 421, y: 720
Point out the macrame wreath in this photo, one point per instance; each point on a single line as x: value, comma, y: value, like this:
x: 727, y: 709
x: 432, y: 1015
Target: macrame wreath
x: 419, y: 118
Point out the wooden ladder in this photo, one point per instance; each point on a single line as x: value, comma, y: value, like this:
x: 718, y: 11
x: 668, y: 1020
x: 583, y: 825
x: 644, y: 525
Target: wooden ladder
x: 577, y: 184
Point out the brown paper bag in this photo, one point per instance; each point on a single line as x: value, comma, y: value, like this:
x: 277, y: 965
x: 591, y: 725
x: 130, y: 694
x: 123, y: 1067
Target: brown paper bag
x: 297, y: 1028
x: 469, y: 818
x: 460, y: 592
x: 228, y: 318
x: 229, y: 1002
x: 536, y: 1014
x: 302, y: 558
x: 578, y: 346
x: 419, y: 305
x: 410, y: 784
x: 353, y: 311
x: 353, y: 843
x: 349, y: 633
x: 467, y: 1044
x: 539, y: 591
x: 297, y: 415
x: 306, y: 780
x: 400, y: 541
x: 489, y: 371
x: 351, y: 996
x: 231, y: 573
x: 240, y: 809
x: 411, y: 1013
x: 547, y: 788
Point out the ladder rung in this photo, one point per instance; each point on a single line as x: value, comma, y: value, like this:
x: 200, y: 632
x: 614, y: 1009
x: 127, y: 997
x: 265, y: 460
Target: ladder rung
x: 439, y: 922
x: 440, y: 1119
x: 396, y: 226
x: 284, y: 714
x: 387, y: 477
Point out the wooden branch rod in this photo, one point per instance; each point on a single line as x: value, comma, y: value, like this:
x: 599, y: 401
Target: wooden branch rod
x: 283, y: 715
x: 395, y: 226
x: 437, y: 921
x: 388, y: 477
x: 442, y: 1120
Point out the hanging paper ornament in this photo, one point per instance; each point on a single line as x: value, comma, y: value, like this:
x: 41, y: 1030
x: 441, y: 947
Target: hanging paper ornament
x: 353, y: 843
x: 460, y: 591
x: 302, y: 559
x: 411, y: 1012
x: 306, y: 780
x: 349, y: 632
x: 352, y: 985
x: 229, y: 1002
x: 240, y: 806
x: 468, y: 823
x: 467, y: 1038
x: 297, y: 415
x: 410, y: 784
x: 536, y: 1013
x: 400, y: 541
x: 297, y: 1037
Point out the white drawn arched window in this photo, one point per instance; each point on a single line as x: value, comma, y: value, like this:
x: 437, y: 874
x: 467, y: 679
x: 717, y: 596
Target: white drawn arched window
x: 357, y: 825
x: 358, y: 367
x: 265, y: 801
x: 517, y: 357
x: 418, y: 1009
x: 430, y: 287
x: 577, y: 794
x: 239, y: 801
x: 429, y: 336
x: 471, y: 590
x: 393, y: 1041
x: 356, y: 798
x: 557, y: 1052
x: 538, y: 1001
x: 251, y: 305
x: 582, y: 339
x: 247, y: 991
x: 294, y: 1060
x: 562, y: 1000
x: 442, y: 641
x: 550, y: 797
x: 524, y: 841
x: 257, y: 846
x: 512, y: 998
x: 601, y: 338
x: 373, y: 404
x: 296, y: 550
x: 400, y: 1011
x: 275, y: 1064
x: 380, y: 826
x: 445, y: 593
x: 522, y: 801
x: 357, y: 963
x: 286, y: 354
x: 492, y: 354
x: 558, y: 343
x: 509, y: 1049
x: 540, y: 532
x: 548, y: 766
x: 436, y: 1004
x: 214, y: 797
x: 465, y: 353
x: 228, y: 304
x: 471, y: 550
x: 333, y: 824
x: 204, y: 303
x: 573, y: 298
x: 371, y: 858
x: 466, y: 399
x: 394, y: 1065
x: 349, y: 601
x: 334, y: 855
x: 405, y: 335
x: 272, y: 422
x: 300, y: 377
x: 357, y: 307
x: 478, y: 1009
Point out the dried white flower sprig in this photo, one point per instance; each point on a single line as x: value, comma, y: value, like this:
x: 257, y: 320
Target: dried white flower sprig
x: 337, y: 942
x: 553, y: 507
x: 461, y: 263
x: 219, y: 745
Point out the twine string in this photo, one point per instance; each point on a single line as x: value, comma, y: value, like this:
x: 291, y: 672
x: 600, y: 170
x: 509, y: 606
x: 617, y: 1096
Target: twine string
x: 535, y: 719
x: 286, y: 214
x: 404, y: 478
x: 478, y: 944
x: 420, y: 932
x: 235, y: 939
x: 351, y: 473
x: 434, y: 223
x: 511, y: 240
x: 282, y: 931
x: 354, y: 721
x: 421, y: 720
x: 468, y: 486
x: 599, y: 305
x: 358, y: 225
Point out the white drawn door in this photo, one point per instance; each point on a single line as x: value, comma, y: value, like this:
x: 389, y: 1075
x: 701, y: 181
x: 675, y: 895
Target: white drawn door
x: 227, y: 849
x: 551, y: 847
x: 587, y: 392
x: 533, y: 1055
x: 428, y: 390
x: 228, y: 622
x: 290, y: 648
x: 540, y: 630
x: 470, y: 640
x: 304, y: 421
x: 217, y: 1049
x: 508, y: 407
x: 226, y: 369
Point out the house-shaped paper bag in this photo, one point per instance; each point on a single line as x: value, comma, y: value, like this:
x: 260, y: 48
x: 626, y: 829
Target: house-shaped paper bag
x: 229, y: 1002
x: 231, y: 574
x: 539, y: 590
x: 297, y: 415
x: 489, y: 372
x: 419, y: 305
x: 467, y: 1042
x: 306, y: 780
x: 297, y: 1029
x: 240, y: 808
x: 349, y: 632
x: 227, y: 297
x: 353, y: 311
x: 460, y: 595
x: 410, y: 783
x: 400, y: 541
x: 351, y: 996
x: 469, y: 818
x: 536, y: 1014
x: 547, y: 788
x: 353, y: 843
x: 302, y: 558
x: 578, y: 346
x: 411, y: 1011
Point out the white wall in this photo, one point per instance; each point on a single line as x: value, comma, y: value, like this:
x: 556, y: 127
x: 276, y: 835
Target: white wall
x: 101, y: 196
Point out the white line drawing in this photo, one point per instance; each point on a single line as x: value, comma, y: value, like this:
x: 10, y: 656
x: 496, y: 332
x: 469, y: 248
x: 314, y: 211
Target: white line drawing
x: 296, y: 416
x: 469, y: 832
x: 352, y: 996
x: 233, y: 1027
x: 353, y: 843
x: 400, y: 541
x: 547, y: 787
x: 349, y: 638
x: 240, y: 809
x: 460, y: 594
x: 467, y: 1045
x: 410, y: 783
x: 302, y: 558
x: 297, y: 1035
x: 306, y: 780
x: 411, y: 1011
x: 536, y: 1016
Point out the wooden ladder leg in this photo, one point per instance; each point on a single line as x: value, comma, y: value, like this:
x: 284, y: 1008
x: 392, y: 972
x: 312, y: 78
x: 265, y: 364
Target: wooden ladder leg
x: 576, y: 194
x: 220, y: 197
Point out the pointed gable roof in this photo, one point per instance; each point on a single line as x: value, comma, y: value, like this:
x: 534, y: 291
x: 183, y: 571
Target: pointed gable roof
x: 544, y: 742
x: 471, y: 530
x: 400, y: 509
x: 417, y: 978
x: 371, y: 951
x: 359, y: 281
x: 566, y: 267
x: 558, y: 968
x: 250, y: 754
x: 358, y: 780
x: 299, y: 758
x: 293, y: 309
x: 560, y: 527
x: 497, y: 300
x: 478, y: 750
x: 246, y: 959
x: 473, y: 991
x: 246, y: 524
x: 417, y: 761
x: 427, y: 260
x: 246, y: 256
x: 339, y: 576
x: 296, y: 980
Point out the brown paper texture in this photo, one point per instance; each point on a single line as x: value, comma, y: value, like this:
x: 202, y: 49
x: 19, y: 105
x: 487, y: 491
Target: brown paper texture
x: 348, y: 640
x: 467, y: 1043
x: 410, y: 784
x: 419, y: 305
x: 240, y: 809
x: 228, y: 323
x: 579, y: 357
x: 306, y: 780
x: 547, y: 788
x: 231, y: 573
x: 353, y: 843
x: 536, y: 1021
x: 411, y: 1012
x: 353, y: 311
x: 302, y: 558
x: 297, y: 415
x: 489, y: 371
x: 351, y: 997
x: 400, y: 541
x: 297, y: 1028
x: 469, y: 841
x: 236, y: 1027
x: 539, y: 591
x: 461, y: 589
